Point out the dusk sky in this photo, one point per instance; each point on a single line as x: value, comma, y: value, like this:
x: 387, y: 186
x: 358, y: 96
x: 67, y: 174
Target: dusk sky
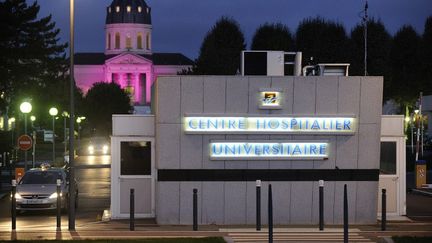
x: 180, y: 25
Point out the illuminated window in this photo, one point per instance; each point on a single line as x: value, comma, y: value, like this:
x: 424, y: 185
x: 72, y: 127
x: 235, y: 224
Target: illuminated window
x: 139, y: 9
x: 109, y: 10
x: 118, y: 9
x: 117, y: 40
x: 148, y: 10
x: 109, y: 42
x: 128, y: 42
x: 148, y: 41
x: 139, y: 41
x: 128, y: 9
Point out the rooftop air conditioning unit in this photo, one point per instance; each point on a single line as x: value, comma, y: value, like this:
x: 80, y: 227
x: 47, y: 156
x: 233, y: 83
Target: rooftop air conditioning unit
x: 269, y: 63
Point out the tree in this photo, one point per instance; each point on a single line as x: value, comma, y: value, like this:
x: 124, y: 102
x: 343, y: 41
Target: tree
x: 378, y: 52
x: 426, y: 54
x: 405, y: 66
x: 272, y: 37
x: 221, y: 49
x: 101, y: 102
x: 32, y: 63
x: 324, y: 41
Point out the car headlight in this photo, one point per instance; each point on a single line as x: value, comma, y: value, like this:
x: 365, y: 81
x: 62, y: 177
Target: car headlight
x: 91, y: 149
x: 17, y: 196
x: 105, y: 149
x: 54, y: 195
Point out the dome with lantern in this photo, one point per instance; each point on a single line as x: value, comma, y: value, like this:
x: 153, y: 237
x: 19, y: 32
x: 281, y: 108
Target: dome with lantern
x: 128, y: 11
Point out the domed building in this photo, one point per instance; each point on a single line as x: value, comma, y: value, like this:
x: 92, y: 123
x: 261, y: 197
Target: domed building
x: 128, y: 59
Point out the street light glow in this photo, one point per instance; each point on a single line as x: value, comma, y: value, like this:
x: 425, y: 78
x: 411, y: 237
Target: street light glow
x: 32, y: 118
x: 53, y: 111
x: 25, y: 107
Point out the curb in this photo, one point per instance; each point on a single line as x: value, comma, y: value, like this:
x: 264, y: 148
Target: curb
x: 419, y: 191
x: 3, y: 194
x: 388, y: 239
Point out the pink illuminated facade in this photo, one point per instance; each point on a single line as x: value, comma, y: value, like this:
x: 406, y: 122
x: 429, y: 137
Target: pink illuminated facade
x: 128, y: 59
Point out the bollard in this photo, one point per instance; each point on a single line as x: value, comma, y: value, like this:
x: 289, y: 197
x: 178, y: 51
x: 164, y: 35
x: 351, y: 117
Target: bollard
x: 132, y: 210
x: 13, y: 207
x: 270, y: 215
x: 195, y: 209
x: 321, y: 204
x: 58, y: 205
x: 345, y: 211
x: 258, y: 204
x: 383, y: 210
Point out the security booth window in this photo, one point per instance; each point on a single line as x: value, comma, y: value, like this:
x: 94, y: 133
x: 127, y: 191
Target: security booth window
x: 388, y: 158
x: 135, y: 158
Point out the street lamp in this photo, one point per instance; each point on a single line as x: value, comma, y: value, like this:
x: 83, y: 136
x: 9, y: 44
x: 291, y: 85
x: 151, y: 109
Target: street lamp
x: 32, y: 119
x: 71, y: 209
x: 53, y: 112
x: 12, y: 127
x: 25, y: 108
x: 65, y: 115
x: 79, y: 120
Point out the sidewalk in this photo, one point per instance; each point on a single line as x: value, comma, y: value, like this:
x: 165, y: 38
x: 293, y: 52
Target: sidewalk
x: 145, y: 229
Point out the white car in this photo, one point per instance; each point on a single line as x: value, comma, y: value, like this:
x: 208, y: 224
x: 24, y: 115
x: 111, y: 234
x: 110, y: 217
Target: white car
x: 37, y: 190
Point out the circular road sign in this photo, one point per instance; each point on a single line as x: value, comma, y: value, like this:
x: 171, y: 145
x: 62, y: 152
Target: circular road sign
x: 25, y: 142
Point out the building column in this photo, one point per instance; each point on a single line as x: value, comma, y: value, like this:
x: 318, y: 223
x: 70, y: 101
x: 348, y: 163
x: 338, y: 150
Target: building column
x: 148, y: 83
x: 137, y: 88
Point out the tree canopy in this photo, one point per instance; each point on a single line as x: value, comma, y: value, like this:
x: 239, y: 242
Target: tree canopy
x: 221, y: 48
x: 425, y: 57
x: 32, y: 62
x: 405, y: 66
x: 378, y: 52
x: 101, y: 102
x: 325, y: 41
x: 272, y: 37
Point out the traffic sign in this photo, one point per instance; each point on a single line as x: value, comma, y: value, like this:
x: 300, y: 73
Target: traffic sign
x: 25, y: 142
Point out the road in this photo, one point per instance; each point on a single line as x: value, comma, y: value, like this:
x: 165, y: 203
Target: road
x: 93, y: 176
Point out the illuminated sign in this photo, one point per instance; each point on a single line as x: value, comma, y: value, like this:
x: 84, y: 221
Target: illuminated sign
x: 269, y: 150
x: 270, y: 99
x: 270, y: 125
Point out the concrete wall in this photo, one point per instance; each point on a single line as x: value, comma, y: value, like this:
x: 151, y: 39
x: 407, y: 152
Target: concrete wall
x: 295, y: 202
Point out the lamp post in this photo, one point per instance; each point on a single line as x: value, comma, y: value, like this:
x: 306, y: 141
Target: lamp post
x: 71, y: 209
x: 25, y: 108
x: 12, y: 127
x: 78, y: 120
x: 53, y: 112
x: 32, y: 119
x: 65, y: 115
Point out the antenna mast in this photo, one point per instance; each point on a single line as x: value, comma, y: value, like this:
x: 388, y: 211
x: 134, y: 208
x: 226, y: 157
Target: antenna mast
x: 365, y: 22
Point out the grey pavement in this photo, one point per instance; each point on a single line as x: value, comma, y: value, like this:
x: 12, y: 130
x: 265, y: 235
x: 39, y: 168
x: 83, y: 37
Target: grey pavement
x: 146, y: 229
x: 89, y: 227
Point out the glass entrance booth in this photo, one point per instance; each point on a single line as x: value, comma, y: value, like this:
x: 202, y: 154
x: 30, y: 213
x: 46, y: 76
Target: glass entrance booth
x: 393, y: 165
x: 132, y: 167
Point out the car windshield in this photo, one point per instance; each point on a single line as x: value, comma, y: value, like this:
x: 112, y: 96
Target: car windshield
x: 41, y: 177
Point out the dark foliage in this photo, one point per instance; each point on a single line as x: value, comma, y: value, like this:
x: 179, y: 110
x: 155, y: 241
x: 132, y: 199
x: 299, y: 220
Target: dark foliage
x: 324, y: 41
x: 378, y: 52
x: 221, y: 48
x: 101, y: 102
x: 273, y: 37
x: 32, y: 62
x: 405, y: 66
x: 426, y: 57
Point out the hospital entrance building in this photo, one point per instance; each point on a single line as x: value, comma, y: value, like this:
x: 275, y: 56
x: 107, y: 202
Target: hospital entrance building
x: 219, y: 134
